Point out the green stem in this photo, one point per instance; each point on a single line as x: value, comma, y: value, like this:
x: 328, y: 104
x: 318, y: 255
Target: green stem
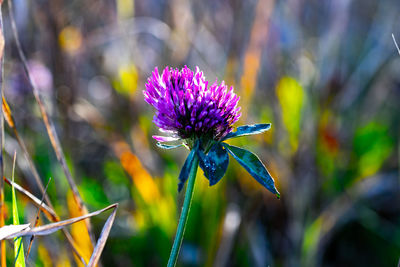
x: 184, y: 214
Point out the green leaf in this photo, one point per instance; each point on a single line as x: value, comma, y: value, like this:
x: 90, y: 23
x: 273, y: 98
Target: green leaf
x: 248, y: 130
x: 18, y: 244
x: 215, y: 163
x: 254, y: 166
x: 163, y: 146
x: 184, y: 174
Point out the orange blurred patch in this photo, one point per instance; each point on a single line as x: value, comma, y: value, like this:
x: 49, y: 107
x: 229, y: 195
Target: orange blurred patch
x: 330, y: 140
x: 140, y: 177
x: 249, y: 78
x: 258, y: 37
x: 328, y: 133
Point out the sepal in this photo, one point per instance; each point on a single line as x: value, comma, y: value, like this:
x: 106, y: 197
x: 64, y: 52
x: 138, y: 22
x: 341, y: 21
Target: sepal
x: 248, y: 130
x: 184, y: 174
x: 254, y: 166
x: 215, y: 163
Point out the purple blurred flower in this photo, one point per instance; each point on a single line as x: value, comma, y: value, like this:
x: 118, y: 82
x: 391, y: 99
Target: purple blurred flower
x: 187, y: 107
x: 41, y: 75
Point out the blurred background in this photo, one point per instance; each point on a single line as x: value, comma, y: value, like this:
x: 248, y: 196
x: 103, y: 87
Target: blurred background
x: 326, y: 74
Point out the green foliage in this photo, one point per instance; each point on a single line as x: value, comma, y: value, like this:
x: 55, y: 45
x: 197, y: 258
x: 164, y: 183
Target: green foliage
x: 18, y: 242
x: 93, y: 193
x: 372, y: 146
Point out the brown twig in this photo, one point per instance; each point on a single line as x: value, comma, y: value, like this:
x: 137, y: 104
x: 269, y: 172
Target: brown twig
x: 54, y: 140
x: 37, y: 219
x: 101, y: 242
x: 52, y: 216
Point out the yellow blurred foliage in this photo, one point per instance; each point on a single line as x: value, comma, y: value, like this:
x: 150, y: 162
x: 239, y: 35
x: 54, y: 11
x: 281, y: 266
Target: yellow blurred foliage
x: 125, y: 8
x: 70, y: 39
x: 79, y: 231
x: 140, y: 220
x: 267, y: 116
x: 162, y: 214
x: 291, y: 98
x: 63, y: 260
x: 126, y: 81
x: 206, y: 194
x: 44, y: 256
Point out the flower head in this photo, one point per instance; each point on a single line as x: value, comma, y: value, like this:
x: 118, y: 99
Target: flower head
x: 187, y: 107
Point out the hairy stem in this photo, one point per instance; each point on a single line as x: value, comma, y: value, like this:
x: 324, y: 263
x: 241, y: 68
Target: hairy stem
x: 184, y: 214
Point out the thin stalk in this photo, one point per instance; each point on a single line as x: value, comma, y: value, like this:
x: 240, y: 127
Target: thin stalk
x: 2, y: 207
x: 395, y: 43
x: 184, y: 214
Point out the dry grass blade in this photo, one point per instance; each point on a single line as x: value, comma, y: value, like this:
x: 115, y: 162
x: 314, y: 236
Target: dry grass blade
x: 53, y: 227
x: 37, y: 219
x: 45, y: 209
x: 11, y: 122
x: 395, y: 43
x: 101, y: 242
x: 25, y: 230
x: 50, y: 214
x: 2, y: 42
x: 11, y: 229
x: 49, y: 125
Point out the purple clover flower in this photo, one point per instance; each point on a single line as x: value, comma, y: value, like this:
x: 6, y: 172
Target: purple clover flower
x: 187, y: 107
